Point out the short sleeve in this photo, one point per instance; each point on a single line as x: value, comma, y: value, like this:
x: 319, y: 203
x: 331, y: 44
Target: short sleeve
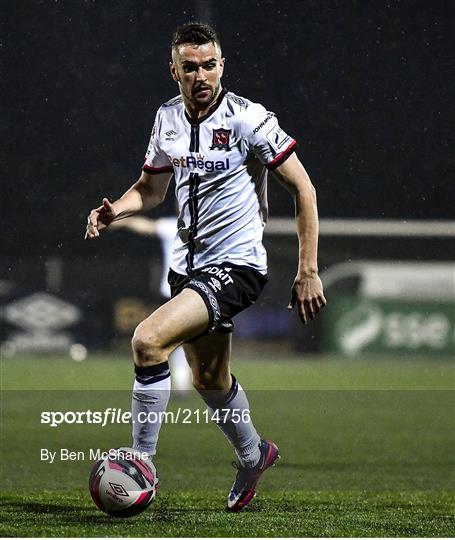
x: 156, y: 161
x: 265, y: 138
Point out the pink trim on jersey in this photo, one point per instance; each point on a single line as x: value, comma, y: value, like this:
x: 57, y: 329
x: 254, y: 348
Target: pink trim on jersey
x: 157, y: 170
x: 283, y: 153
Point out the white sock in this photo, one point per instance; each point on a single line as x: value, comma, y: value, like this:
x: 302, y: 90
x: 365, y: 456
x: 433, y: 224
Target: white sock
x: 231, y: 414
x: 151, y: 391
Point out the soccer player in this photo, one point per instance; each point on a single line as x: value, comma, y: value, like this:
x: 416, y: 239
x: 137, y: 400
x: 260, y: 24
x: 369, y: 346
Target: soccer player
x: 219, y: 147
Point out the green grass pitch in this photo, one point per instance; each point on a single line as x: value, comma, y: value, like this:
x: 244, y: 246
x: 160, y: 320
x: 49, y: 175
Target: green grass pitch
x: 367, y: 450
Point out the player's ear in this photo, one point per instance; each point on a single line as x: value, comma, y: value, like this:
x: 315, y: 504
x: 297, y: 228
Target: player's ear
x: 221, y: 67
x: 173, y: 71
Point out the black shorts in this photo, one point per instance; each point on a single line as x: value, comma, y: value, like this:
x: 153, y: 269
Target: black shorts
x: 227, y: 289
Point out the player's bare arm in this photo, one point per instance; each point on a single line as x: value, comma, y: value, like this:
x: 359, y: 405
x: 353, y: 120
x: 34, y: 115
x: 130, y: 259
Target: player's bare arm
x: 307, y: 291
x: 149, y: 191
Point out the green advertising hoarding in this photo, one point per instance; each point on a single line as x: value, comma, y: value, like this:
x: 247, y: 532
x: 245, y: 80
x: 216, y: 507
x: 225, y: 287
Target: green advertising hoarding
x: 354, y: 324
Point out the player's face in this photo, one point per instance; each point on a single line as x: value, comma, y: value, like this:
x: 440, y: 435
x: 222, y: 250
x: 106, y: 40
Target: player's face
x: 198, y: 70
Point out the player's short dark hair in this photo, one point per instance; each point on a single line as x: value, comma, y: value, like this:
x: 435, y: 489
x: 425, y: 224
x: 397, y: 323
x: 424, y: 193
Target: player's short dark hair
x: 195, y: 32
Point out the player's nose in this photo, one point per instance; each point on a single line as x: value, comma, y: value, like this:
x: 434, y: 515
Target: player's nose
x: 200, y: 74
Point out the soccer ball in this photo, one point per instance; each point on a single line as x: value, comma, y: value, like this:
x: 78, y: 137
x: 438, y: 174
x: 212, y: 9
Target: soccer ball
x: 122, y: 484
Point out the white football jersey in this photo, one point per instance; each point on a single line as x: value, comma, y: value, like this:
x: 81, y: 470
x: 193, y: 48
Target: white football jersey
x: 220, y: 164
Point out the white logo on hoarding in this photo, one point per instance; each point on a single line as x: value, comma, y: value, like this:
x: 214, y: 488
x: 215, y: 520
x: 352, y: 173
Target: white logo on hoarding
x: 358, y: 328
x: 41, y: 311
x: 412, y: 330
x: 41, y: 316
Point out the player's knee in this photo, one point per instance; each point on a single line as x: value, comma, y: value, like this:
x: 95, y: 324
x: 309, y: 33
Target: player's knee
x: 147, y: 347
x: 205, y: 380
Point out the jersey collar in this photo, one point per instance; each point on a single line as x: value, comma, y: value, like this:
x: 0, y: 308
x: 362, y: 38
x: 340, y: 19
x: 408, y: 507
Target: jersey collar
x: 212, y: 109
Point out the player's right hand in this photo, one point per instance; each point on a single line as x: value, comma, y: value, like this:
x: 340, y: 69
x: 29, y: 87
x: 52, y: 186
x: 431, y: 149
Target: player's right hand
x: 99, y: 218
x: 307, y: 294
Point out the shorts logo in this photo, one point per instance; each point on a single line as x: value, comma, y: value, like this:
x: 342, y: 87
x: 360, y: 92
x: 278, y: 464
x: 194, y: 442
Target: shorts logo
x: 218, y: 272
x: 215, y: 284
x: 220, y: 139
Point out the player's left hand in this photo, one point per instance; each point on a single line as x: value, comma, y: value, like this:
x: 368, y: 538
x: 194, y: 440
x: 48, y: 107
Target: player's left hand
x: 308, y: 295
x: 99, y: 218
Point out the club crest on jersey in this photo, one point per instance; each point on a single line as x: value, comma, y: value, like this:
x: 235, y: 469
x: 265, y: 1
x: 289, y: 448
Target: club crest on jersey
x: 220, y: 139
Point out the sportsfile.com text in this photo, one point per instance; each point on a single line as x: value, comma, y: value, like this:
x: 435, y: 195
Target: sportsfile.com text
x: 117, y: 416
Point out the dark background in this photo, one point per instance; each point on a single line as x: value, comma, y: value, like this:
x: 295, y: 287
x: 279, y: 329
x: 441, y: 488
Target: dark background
x: 364, y: 86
